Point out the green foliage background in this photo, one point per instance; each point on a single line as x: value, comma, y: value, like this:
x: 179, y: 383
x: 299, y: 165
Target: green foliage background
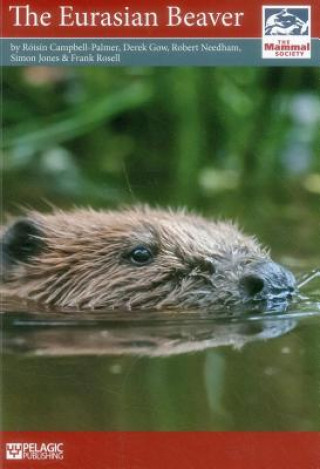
x: 237, y: 142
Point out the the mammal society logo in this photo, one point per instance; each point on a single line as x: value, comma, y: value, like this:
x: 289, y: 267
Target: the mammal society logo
x: 286, y: 32
x: 35, y: 451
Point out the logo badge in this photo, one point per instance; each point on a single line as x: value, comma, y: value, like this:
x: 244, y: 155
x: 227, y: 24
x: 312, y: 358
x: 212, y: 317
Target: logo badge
x: 14, y: 451
x: 286, y: 32
x: 34, y: 451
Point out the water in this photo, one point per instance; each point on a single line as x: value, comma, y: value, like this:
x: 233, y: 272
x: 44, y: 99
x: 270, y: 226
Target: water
x: 151, y: 371
x: 187, y: 371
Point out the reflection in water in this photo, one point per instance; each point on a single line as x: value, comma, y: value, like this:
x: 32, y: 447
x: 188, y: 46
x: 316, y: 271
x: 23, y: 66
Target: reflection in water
x: 69, y: 371
x: 159, y: 335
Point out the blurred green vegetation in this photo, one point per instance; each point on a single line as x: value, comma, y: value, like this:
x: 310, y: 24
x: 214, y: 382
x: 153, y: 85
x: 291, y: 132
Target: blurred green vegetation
x: 231, y: 141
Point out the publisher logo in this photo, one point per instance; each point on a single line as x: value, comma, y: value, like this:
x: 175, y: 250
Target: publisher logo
x: 35, y: 451
x: 14, y: 451
x: 286, y: 32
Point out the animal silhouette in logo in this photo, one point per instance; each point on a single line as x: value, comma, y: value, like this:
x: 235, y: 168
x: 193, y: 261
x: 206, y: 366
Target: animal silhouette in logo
x: 284, y: 23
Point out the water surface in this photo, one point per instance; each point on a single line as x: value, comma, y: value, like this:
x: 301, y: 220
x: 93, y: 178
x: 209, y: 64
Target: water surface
x: 168, y: 371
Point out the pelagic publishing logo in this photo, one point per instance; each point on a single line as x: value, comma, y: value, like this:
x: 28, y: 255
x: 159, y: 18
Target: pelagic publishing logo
x: 286, y: 32
x: 35, y: 451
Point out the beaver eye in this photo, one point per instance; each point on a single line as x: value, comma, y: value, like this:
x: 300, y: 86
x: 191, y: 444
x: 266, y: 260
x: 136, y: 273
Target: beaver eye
x: 140, y: 256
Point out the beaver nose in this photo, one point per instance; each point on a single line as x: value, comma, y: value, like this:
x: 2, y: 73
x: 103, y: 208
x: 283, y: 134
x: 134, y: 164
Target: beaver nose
x: 267, y: 279
x: 252, y: 284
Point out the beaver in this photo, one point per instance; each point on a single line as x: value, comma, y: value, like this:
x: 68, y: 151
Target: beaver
x: 138, y: 258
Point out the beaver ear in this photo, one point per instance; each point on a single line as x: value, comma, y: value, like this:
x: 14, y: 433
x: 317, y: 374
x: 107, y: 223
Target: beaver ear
x: 21, y: 241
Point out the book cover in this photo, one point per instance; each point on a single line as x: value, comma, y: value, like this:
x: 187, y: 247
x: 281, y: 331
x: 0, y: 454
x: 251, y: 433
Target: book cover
x: 160, y: 289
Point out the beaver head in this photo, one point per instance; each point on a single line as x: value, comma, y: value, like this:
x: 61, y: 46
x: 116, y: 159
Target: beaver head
x: 138, y: 258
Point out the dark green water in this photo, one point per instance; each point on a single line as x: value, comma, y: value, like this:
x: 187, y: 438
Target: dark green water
x: 174, y: 372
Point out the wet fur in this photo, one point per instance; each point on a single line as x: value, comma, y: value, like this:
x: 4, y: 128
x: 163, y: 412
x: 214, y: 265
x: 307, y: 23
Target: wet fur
x: 82, y: 260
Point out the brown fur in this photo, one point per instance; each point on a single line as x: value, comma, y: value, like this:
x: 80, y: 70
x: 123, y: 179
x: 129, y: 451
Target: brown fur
x: 84, y: 263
